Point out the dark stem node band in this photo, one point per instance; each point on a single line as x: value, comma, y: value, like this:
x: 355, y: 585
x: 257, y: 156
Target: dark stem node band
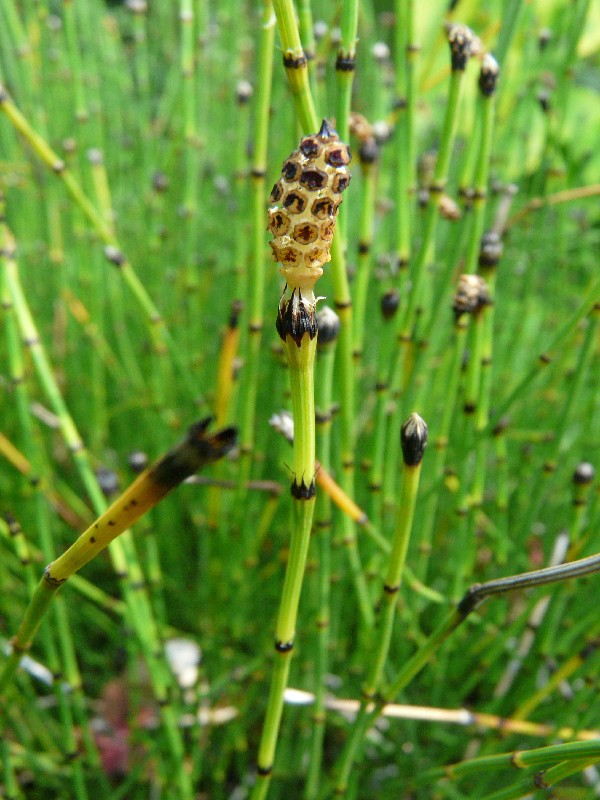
x: 301, y: 491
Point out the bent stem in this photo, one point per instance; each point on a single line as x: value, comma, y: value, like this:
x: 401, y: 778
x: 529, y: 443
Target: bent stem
x: 152, y: 485
x: 472, y: 599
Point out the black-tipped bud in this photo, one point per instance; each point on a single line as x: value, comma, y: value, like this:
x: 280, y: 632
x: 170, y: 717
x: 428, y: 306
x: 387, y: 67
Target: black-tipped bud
x: 471, y: 295
x: 237, y: 307
x: 283, y: 423
x: 490, y: 249
x: 544, y: 37
x: 327, y: 129
x: 501, y: 426
x: 390, y: 302
x: 368, y: 152
x: 138, y: 461
x: 382, y: 131
x: 108, y: 481
x: 114, y: 255
x: 544, y: 100
x: 413, y: 439
x: 69, y: 145
x: 95, y: 156
x: 462, y: 43
x: 328, y: 324
x: 381, y: 52
x: 320, y: 29
x: 137, y: 6
x: 243, y: 91
x: 584, y: 474
x: 160, y: 181
x: 488, y: 76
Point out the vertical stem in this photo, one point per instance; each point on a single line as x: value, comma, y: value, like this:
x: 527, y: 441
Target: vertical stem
x: 301, y: 365
x: 256, y: 280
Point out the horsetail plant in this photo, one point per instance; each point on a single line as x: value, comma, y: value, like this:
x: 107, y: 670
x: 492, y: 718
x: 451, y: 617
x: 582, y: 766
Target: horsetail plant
x: 413, y: 442
x: 302, y: 219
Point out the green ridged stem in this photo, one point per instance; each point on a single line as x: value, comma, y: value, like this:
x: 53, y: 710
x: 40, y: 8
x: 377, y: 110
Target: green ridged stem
x: 485, y: 117
x: 379, y: 650
x: 545, y: 780
x: 364, y: 258
x: 191, y: 115
x: 511, y: 18
x: 451, y: 379
x: 406, y: 52
x: 323, y: 512
x: 384, y: 355
x: 297, y: 76
x: 301, y: 369
x: 579, y: 14
x: 256, y: 273
x: 11, y: 785
x: 345, y: 77
x: 307, y: 36
x: 305, y: 111
x: 519, y: 759
x: 425, y: 255
x: 75, y: 61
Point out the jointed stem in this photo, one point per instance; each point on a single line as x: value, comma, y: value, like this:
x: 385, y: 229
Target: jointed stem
x: 301, y: 364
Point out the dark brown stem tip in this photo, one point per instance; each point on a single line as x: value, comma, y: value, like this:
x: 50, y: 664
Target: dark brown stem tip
x: 243, y: 91
x: 197, y: 449
x: 471, y: 295
x: 584, y: 474
x: 488, y: 76
x: 490, y: 249
x: 327, y: 130
x: 328, y: 324
x: 414, y: 440
x: 389, y: 303
x: 463, y: 44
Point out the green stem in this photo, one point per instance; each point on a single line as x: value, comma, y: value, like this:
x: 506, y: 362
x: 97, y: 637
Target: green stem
x: 301, y: 365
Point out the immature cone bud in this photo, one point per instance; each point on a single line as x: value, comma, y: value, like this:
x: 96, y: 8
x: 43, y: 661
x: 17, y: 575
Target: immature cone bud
x: 488, y: 77
x: 544, y: 37
x: 449, y: 208
x: 463, y: 44
x: 584, y: 474
x: 544, y: 100
x: 305, y: 201
x: 243, y: 91
x: 138, y: 461
x: 283, y: 423
x: 390, y: 301
x: 108, y: 481
x: 471, y: 295
x: 328, y: 324
x: 368, y: 153
x: 490, y: 249
x: 413, y: 440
